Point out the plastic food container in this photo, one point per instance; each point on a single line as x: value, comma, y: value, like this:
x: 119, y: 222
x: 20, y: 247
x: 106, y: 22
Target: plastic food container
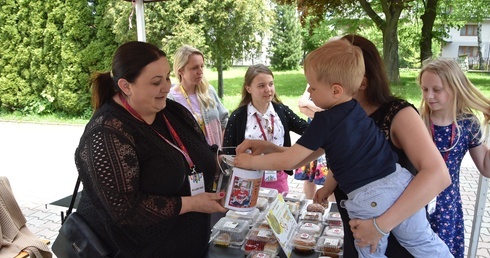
x: 250, y: 216
x: 312, y: 228
x: 261, y: 239
x: 303, y: 243
x: 269, y: 193
x: 312, y: 216
x: 315, y: 207
x: 262, y: 223
x: 295, y: 197
x: 261, y: 254
x: 294, y: 209
x: 333, y: 219
x: 230, y: 232
x: 262, y: 203
x: 329, y: 246
x: 333, y: 231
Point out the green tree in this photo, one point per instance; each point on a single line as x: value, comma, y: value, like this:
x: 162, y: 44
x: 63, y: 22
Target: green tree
x: 384, y: 13
x: 428, y: 20
x: 233, y: 28
x: 21, y: 46
x: 286, y: 42
x: 76, y: 19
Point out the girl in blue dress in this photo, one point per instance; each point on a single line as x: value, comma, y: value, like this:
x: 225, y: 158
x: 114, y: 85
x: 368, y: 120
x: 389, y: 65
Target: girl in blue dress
x: 451, y: 107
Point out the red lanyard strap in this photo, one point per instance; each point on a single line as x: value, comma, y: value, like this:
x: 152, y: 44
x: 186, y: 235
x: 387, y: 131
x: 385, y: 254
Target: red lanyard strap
x: 270, y: 130
x: 453, y: 136
x: 174, y: 134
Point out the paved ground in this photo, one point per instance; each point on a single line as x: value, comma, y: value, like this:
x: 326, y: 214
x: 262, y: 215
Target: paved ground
x: 38, y: 160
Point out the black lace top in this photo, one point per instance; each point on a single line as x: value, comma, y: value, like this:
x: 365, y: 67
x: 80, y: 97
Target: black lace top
x: 133, y: 182
x: 383, y: 117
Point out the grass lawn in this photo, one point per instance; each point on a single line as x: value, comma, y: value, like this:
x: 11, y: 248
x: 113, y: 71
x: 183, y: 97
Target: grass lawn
x: 289, y: 86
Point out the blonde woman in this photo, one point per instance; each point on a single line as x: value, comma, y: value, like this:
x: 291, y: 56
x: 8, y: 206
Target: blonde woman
x: 194, y: 92
x: 449, y: 107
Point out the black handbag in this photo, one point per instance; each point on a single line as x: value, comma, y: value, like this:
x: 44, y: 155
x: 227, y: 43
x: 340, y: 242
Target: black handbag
x: 76, y: 239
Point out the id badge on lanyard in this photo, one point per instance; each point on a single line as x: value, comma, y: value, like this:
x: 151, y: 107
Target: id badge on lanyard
x: 196, y: 182
x: 270, y: 176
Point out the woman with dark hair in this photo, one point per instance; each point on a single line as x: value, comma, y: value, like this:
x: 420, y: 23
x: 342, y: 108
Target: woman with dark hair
x: 146, y: 168
x: 401, y: 124
x: 380, y: 104
x: 261, y: 115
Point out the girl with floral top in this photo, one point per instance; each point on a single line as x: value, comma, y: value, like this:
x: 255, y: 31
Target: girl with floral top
x: 449, y: 109
x: 261, y: 115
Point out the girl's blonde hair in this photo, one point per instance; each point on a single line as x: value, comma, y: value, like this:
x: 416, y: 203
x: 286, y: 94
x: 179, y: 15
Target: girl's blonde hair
x: 181, y: 58
x: 467, y: 99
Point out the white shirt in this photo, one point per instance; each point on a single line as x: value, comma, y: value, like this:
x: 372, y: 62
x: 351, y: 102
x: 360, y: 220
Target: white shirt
x: 274, y: 134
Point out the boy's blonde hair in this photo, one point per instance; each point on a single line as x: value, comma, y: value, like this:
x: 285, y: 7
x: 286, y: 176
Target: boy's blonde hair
x: 337, y: 62
x: 466, y: 97
x: 202, y: 90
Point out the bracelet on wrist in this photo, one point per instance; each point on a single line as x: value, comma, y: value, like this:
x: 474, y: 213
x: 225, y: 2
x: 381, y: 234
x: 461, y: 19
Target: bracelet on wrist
x: 377, y: 228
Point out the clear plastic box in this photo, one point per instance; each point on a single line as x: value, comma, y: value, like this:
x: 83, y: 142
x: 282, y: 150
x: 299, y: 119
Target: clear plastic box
x: 303, y: 243
x: 230, y: 232
x: 269, y: 193
x: 329, y: 246
x: 309, y: 227
x: 295, y: 197
x: 262, y: 223
x: 261, y: 239
x: 312, y: 216
x: 333, y: 231
x: 262, y: 203
x: 315, y: 207
x: 333, y: 218
x: 250, y: 216
x: 294, y: 208
x: 261, y: 254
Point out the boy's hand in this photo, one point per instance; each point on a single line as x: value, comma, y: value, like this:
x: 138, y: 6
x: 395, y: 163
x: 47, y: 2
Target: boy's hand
x: 256, y: 147
x: 244, y: 161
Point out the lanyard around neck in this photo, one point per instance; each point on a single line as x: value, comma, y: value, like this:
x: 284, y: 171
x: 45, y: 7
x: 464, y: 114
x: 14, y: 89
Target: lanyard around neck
x: 174, y: 134
x: 269, y: 129
x: 453, y: 136
x: 199, y: 119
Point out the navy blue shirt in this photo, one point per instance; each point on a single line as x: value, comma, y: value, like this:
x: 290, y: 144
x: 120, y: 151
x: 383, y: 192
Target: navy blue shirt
x: 356, y: 149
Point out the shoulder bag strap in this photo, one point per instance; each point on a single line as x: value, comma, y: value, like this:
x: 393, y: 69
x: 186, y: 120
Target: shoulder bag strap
x: 72, y: 202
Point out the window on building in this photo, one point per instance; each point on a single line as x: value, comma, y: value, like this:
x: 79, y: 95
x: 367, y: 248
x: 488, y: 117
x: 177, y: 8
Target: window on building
x: 468, y: 51
x: 469, y: 30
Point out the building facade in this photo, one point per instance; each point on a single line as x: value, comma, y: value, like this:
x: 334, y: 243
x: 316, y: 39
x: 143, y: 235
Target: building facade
x: 462, y: 44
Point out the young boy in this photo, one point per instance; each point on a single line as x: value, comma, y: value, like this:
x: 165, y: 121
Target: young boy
x: 360, y: 158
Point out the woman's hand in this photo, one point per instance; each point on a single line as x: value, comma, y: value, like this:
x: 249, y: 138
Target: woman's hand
x: 203, y: 202
x: 257, y: 147
x: 365, y: 233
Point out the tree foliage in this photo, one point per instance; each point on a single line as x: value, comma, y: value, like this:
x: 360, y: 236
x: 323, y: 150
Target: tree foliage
x: 285, y: 44
x: 49, y: 49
